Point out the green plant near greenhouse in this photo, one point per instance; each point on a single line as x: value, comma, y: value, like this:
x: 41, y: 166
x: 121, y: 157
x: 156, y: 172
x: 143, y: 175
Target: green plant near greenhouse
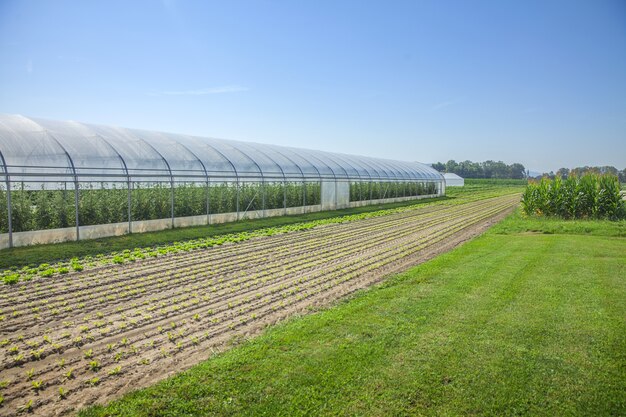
x: 591, y: 196
x: 363, y: 191
x: 53, y: 207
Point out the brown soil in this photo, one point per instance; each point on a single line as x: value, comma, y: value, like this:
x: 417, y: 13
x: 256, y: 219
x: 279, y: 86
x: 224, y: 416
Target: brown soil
x: 145, y: 321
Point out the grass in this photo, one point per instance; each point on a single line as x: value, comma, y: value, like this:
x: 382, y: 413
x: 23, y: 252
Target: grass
x: 511, y: 323
x: 519, y: 223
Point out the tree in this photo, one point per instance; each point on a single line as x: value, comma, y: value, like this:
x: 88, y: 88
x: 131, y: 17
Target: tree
x: 487, y: 169
x: 517, y: 171
x: 563, y: 173
x: 439, y: 166
x: 451, y: 166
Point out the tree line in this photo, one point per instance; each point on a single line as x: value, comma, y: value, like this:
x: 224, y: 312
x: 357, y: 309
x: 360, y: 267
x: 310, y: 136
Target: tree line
x: 487, y: 169
x: 580, y: 171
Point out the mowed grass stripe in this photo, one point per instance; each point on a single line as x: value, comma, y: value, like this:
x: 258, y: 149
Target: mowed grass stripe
x: 504, y: 325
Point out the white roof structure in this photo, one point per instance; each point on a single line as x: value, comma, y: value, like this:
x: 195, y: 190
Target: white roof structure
x: 453, y: 180
x: 37, y: 150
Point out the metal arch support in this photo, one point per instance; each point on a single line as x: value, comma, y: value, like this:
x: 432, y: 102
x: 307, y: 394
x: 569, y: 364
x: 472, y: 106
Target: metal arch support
x: 255, y: 163
x: 203, y: 143
x: 393, y: 172
x: 319, y: 174
x: 331, y: 169
x: 169, y: 169
x: 301, y: 173
x: 128, y: 185
x: 206, y: 175
x: 364, y: 162
x: 380, y: 170
x: 401, y: 169
x: 339, y: 157
x: 366, y: 165
x: 310, y: 155
x: 69, y: 158
x: 263, y: 177
x: 7, y: 180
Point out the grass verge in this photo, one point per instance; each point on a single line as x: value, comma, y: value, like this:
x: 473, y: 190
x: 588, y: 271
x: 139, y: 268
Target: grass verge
x: 510, y: 323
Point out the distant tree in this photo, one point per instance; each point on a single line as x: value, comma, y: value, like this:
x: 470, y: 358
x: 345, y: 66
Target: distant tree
x: 622, y: 175
x: 487, y: 169
x: 439, y: 166
x: 517, y: 171
x: 609, y: 170
x: 451, y: 166
x: 563, y: 173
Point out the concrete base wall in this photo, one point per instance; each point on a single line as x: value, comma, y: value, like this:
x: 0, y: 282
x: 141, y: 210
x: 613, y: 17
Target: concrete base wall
x: 43, y: 236
x: 103, y: 230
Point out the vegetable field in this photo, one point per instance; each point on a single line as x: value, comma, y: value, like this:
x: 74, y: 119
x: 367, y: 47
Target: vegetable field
x: 88, y: 336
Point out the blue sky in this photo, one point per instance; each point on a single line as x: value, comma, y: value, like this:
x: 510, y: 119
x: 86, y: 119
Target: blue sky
x: 537, y: 82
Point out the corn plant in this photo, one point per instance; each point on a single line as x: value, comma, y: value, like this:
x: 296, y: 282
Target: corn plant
x: 591, y: 196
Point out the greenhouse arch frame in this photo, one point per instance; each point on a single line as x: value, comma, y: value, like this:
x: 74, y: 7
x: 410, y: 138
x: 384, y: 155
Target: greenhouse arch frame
x: 64, y: 180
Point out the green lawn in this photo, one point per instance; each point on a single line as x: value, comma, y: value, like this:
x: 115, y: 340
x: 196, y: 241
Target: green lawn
x: 516, y: 322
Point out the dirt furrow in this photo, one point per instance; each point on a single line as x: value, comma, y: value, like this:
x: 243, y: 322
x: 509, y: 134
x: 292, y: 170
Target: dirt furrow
x: 316, y: 271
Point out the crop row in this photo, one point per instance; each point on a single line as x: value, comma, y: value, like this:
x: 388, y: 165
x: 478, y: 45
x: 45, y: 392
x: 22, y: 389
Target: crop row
x: 205, y: 300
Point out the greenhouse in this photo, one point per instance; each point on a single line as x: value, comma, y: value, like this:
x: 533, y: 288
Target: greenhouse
x: 64, y: 180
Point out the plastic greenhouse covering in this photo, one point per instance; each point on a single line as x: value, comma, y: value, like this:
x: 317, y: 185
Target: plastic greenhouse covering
x: 77, y: 160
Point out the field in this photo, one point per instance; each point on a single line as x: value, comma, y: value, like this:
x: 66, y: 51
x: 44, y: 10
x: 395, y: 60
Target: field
x: 528, y: 319
x: 87, y: 336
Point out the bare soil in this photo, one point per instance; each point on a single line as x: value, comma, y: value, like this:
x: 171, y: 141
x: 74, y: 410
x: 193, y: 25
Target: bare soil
x: 91, y: 336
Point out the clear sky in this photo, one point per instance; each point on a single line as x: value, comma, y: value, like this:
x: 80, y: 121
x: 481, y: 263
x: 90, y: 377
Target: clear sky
x: 537, y: 82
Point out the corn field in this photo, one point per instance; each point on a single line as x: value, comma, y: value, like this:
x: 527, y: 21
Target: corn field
x: 591, y: 196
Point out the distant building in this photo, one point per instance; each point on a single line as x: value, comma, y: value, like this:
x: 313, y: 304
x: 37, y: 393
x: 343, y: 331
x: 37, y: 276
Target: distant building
x: 453, y: 180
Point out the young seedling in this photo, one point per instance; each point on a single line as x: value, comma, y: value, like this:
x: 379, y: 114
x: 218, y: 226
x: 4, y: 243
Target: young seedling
x: 62, y: 393
x: 36, y: 354
x: 115, y: 371
x: 30, y: 373
x: 88, y: 354
x: 27, y: 407
x: 94, y: 366
x: 37, y: 385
